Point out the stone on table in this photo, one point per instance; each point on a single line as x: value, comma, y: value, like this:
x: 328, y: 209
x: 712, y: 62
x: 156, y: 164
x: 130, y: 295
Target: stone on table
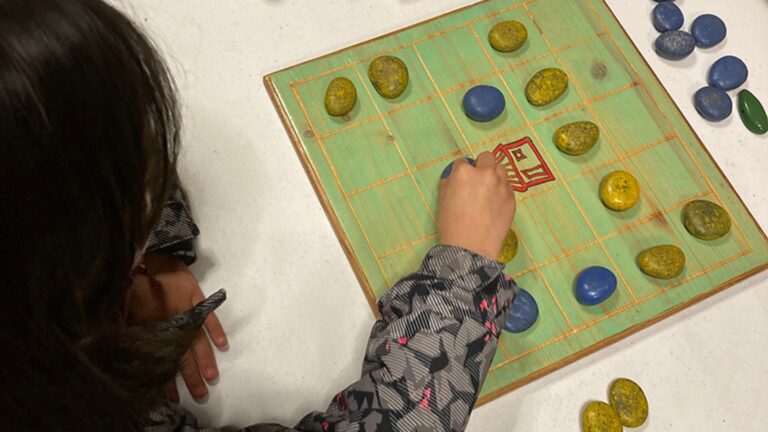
x: 595, y: 285
x: 389, y: 76
x: 522, y: 313
x: 713, y: 103
x: 629, y: 401
x: 667, y: 16
x: 546, y: 86
x: 662, y: 262
x: 508, y: 36
x: 600, y: 417
x: 752, y: 113
x: 675, y: 44
x: 340, y: 97
x: 728, y: 73
x: 577, y: 138
x: 483, y: 103
x: 708, y: 30
x: 619, y: 190
x: 706, y: 220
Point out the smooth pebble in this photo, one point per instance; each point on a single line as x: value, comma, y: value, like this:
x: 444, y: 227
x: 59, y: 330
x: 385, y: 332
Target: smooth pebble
x: 619, y: 190
x: 728, y: 73
x: 594, y: 285
x: 483, y: 103
x: 752, y: 113
x: 675, y: 44
x: 629, y: 402
x: 662, y: 262
x: 546, y: 86
x: 713, y: 103
x: 509, y: 247
x: 600, y: 417
x: 340, y: 97
x: 708, y: 30
x: 523, y: 312
x: 508, y: 36
x: 667, y: 16
x: 389, y: 76
x: 706, y: 220
x: 447, y: 171
x: 577, y: 138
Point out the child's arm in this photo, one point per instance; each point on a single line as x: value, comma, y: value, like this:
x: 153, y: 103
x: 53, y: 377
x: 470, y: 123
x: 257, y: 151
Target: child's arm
x: 175, y: 232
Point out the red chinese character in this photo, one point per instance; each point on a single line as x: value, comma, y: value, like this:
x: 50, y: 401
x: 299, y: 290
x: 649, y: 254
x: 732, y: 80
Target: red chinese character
x: 524, y: 164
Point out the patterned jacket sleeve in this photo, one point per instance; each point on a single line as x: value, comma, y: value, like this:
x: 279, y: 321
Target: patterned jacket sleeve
x: 175, y: 232
x: 429, y: 354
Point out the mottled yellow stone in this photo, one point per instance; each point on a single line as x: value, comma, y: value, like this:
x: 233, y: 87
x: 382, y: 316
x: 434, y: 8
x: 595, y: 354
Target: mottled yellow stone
x: 508, y: 36
x: 619, y: 190
x: 600, y: 417
x: 546, y: 86
x: 389, y: 76
x: 629, y: 401
x: 340, y: 97
x: 509, y: 247
x: 706, y: 220
x: 577, y: 138
x: 662, y: 262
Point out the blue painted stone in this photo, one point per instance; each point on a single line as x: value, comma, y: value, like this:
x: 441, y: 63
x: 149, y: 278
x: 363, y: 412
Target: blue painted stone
x: 675, y: 44
x: 728, y: 73
x: 667, y: 16
x: 594, y: 285
x: 708, y: 30
x: 523, y: 312
x: 447, y: 171
x: 713, y: 103
x: 483, y: 103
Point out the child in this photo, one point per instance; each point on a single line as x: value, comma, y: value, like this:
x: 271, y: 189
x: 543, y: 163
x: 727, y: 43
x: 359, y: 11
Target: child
x: 98, y: 307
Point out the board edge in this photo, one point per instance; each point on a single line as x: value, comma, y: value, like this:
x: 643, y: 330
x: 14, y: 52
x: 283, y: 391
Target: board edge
x: 324, y: 201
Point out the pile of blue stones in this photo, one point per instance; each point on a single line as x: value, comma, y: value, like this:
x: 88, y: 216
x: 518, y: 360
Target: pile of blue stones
x: 728, y: 73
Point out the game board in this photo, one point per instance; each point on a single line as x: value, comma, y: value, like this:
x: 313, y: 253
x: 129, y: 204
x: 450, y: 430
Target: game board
x: 376, y: 170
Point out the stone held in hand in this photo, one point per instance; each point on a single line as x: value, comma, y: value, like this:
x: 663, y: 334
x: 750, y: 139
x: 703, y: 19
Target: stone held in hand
x: 675, y: 44
x: 728, y: 73
x: 523, y: 312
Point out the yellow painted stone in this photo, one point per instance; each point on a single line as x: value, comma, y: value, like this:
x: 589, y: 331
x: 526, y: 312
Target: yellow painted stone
x: 600, y: 417
x: 662, y: 262
x: 577, y: 138
x: 389, y: 76
x: 508, y: 36
x: 706, y: 220
x: 340, y: 97
x: 546, y: 86
x: 509, y: 247
x: 619, y: 190
x: 629, y: 401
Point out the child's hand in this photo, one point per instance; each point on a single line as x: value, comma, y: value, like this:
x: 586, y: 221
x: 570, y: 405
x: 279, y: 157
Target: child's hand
x: 169, y: 288
x: 477, y: 206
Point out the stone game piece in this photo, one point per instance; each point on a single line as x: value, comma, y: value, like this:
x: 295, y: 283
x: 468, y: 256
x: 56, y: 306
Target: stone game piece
x: 600, y: 417
x: 619, y: 190
x: 508, y: 36
x: 629, y: 402
x: 713, y: 104
x: 483, y: 103
x: 389, y: 76
x: 662, y: 262
x: 595, y: 285
x: 340, y: 97
x: 667, y: 16
x: 546, y: 86
x: 728, y: 73
x: 577, y: 138
x: 509, y: 247
x: 752, y: 113
x: 706, y: 220
x: 523, y: 313
x: 675, y: 45
x: 708, y: 30
x: 447, y: 171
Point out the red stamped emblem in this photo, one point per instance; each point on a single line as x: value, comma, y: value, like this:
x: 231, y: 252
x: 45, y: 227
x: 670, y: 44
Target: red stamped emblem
x: 525, y: 166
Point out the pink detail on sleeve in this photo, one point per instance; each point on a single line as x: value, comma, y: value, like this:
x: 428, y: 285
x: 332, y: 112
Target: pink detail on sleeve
x: 402, y: 340
x: 425, y: 400
x: 483, y: 305
x: 326, y: 425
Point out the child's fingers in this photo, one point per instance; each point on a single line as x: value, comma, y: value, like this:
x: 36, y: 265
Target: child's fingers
x: 216, y: 331
x: 172, y: 392
x: 485, y: 160
x: 206, y: 362
x: 192, y: 378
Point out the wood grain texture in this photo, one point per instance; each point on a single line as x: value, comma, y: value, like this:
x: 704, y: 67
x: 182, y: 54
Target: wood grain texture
x: 376, y: 170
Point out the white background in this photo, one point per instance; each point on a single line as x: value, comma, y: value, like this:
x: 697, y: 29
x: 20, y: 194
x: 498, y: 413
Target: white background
x: 296, y: 316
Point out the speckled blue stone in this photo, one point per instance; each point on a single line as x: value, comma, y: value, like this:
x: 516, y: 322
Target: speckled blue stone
x: 523, y: 313
x: 713, y: 103
x: 728, y: 73
x: 483, y: 103
x: 594, y: 285
x: 447, y: 171
x: 708, y: 30
x: 675, y: 44
x: 667, y: 16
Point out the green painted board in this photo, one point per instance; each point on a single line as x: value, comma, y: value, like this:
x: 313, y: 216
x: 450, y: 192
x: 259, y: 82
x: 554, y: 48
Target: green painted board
x: 376, y: 170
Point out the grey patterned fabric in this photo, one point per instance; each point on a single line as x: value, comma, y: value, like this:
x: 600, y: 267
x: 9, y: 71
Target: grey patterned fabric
x: 428, y: 355
x: 175, y: 232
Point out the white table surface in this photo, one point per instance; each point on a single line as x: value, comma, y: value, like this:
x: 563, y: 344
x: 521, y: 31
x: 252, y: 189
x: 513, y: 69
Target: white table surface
x: 296, y: 316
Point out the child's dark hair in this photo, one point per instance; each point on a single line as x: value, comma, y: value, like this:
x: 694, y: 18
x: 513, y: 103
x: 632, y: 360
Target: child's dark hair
x: 89, y: 131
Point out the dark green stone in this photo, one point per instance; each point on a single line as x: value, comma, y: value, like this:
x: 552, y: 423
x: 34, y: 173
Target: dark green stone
x: 706, y: 220
x: 752, y: 113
